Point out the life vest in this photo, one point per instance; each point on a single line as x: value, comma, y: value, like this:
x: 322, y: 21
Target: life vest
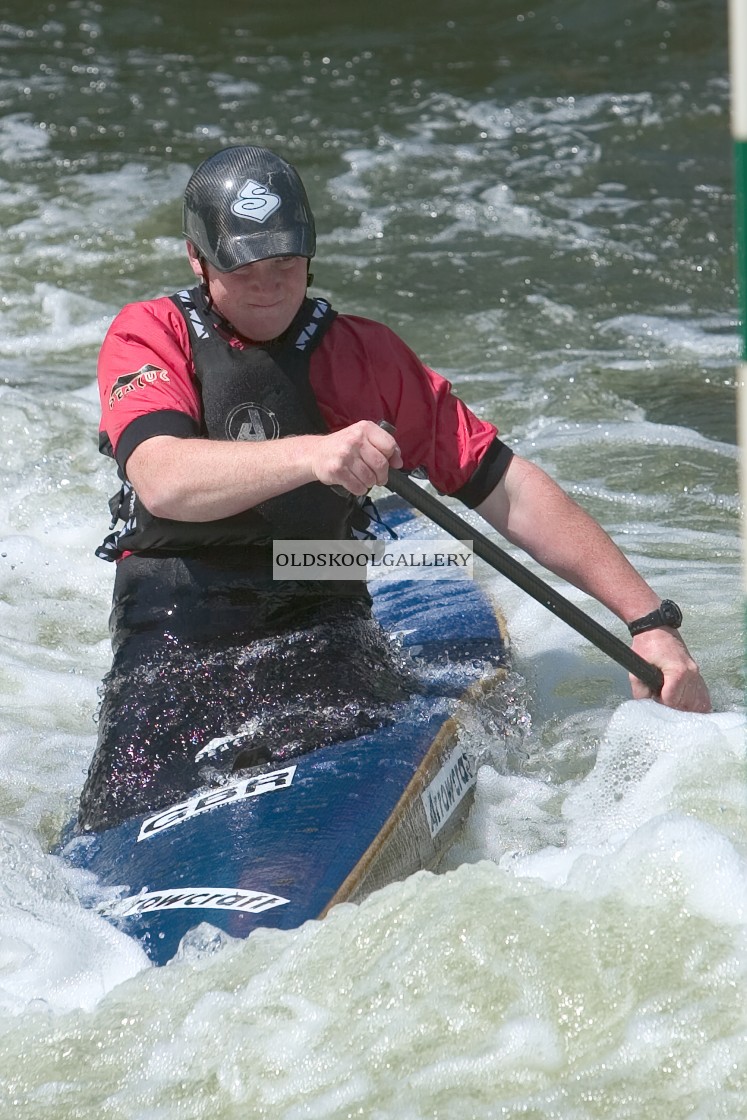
x: 258, y: 393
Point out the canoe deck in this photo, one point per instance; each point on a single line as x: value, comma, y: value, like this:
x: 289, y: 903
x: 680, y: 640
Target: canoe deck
x: 280, y: 844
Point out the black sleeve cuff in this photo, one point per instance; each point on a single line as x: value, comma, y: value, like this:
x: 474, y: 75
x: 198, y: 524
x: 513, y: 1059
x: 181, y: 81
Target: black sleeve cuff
x: 166, y: 422
x: 487, y: 476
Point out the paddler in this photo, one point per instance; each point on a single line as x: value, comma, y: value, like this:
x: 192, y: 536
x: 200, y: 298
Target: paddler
x: 243, y: 410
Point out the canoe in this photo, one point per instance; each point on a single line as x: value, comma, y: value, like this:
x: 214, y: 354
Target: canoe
x: 281, y: 844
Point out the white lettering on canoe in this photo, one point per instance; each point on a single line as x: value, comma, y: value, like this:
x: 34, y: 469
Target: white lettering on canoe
x: 448, y: 788
x: 222, y: 795
x: 185, y: 898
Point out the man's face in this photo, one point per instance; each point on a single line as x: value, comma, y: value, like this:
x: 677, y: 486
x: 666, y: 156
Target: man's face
x: 260, y: 299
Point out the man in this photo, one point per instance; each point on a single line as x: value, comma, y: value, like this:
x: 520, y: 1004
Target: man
x: 197, y: 388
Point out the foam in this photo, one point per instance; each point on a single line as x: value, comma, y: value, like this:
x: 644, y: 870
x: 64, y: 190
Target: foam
x: 661, y: 812
x: 675, y: 334
x: 64, y: 318
x: 54, y: 955
x: 21, y: 138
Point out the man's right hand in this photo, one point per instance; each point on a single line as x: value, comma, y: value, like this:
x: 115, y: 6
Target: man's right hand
x: 357, y: 457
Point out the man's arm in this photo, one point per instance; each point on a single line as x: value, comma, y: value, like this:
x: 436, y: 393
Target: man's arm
x: 534, y: 513
x: 204, y: 480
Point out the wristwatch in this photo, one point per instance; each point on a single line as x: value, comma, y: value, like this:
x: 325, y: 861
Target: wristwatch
x: 667, y: 614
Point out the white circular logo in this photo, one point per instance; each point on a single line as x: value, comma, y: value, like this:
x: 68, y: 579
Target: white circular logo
x: 252, y: 422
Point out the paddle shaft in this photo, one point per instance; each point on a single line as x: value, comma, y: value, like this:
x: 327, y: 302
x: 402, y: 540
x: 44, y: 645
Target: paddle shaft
x: 497, y: 558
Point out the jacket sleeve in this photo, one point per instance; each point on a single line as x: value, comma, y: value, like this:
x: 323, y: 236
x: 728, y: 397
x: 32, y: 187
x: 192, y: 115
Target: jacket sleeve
x: 146, y: 380
x: 364, y: 371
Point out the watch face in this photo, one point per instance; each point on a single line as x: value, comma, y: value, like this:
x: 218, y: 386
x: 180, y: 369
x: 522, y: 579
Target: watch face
x: 671, y: 613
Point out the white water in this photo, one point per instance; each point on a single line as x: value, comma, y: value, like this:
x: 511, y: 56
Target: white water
x: 591, y: 933
x: 563, y: 254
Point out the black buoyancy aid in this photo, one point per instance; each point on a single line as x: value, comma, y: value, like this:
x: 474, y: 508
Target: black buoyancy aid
x: 261, y: 392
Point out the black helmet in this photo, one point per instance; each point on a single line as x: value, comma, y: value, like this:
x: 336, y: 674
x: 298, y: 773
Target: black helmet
x: 246, y: 204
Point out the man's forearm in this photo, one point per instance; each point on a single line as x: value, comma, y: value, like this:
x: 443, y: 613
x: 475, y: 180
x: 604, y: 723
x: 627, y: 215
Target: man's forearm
x: 535, y: 514
x: 204, y: 480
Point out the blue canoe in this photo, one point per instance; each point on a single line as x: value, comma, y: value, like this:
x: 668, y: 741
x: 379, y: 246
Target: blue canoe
x: 284, y: 843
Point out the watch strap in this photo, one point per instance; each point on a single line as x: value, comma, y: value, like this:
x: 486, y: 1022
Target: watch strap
x: 666, y: 614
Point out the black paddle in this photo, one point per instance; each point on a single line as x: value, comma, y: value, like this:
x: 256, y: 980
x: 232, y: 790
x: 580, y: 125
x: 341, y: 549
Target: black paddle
x: 425, y: 503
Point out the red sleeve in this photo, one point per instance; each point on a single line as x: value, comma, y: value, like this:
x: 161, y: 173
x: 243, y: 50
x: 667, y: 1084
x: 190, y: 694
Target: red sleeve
x: 363, y: 371
x: 146, y: 378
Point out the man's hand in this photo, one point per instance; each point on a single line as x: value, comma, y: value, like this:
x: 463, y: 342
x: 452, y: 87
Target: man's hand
x: 357, y: 457
x: 684, y: 688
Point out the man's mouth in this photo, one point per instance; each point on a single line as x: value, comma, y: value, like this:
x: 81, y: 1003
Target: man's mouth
x: 264, y: 306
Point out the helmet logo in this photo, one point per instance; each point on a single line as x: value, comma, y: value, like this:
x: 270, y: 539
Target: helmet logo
x: 254, y: 201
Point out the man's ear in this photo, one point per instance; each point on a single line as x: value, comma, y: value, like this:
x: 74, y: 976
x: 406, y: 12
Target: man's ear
x: 194, y: 260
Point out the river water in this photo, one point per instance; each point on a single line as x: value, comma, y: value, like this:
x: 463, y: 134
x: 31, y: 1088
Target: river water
x: 539, y: 200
